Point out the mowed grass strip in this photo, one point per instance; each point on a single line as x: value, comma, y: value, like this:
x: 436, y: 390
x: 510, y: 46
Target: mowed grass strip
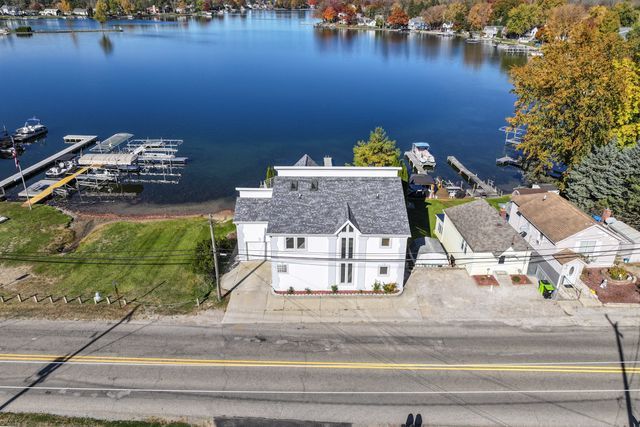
x: 34, y: 419
x: 147, y: 260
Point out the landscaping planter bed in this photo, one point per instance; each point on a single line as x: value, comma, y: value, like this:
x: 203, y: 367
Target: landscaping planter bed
x: 613, y: 293
x: 484, y: 280
x: 520, y: 279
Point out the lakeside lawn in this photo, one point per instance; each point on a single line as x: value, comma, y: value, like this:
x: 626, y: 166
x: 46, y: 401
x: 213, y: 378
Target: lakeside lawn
x: 149, y: 260
x: 422, y: 217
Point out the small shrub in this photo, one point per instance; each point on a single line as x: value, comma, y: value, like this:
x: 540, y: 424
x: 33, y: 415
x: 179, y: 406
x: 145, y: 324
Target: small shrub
x: 307, y: 290
x: 290, y: 291
x: 618, y: 273
x: 23, y: 29
x: 390, y: 288
x: 377, y: 286
x: 334, y: 289
x: 516, y: 279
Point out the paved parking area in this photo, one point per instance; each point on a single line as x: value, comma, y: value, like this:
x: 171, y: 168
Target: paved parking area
x: 430, y: 295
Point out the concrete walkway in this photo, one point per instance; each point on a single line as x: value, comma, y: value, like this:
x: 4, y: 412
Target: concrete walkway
x: 430, y: 295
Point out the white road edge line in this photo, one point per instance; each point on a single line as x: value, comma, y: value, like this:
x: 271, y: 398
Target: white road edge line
x: 429, y: 392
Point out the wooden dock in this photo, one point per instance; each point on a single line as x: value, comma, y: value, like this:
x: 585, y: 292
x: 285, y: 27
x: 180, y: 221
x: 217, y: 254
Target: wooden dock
x: 49, y: 190
x: 481, y: 188
x: 509, y: 161
x: 33, y: 169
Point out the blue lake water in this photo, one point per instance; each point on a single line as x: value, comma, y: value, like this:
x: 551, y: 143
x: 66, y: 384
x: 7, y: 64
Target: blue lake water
x: 263, y: 88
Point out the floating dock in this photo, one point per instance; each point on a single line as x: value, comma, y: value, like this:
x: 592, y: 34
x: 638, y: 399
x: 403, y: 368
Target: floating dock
x: 509, y: 161
x: 111, y: 143
x: 481, y: 188
x: 83, y: 141
x: 417, y: 164
x: 49, y: 190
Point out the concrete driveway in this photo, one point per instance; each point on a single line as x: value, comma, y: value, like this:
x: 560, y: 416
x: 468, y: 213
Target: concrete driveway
x: 433, y: 295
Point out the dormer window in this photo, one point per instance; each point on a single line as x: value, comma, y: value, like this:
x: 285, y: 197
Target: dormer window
x: 294, y: 185
x: 314, y: 185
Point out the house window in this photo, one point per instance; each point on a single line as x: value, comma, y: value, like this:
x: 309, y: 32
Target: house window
x: 289, y: 243
x: 301, y: 243
x: 463, y: 246
x: 346, y: 247
x: 294, y: 185
x: 383, y: 270
x: 501, y: 260
x: 314, y: 185
x: 346, y: 273
x: 282, y: 268
x: 385, y: 242
x: 587, y: 247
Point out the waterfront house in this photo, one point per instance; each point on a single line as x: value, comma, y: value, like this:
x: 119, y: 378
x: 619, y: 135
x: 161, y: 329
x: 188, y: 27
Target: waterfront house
x: 564, y: 239
x: 10, y: 10
x: 417, y: 23
x: 363, y: 21
x: 51, y: 12
x: 477, y: 238
x: 326, y: 225
x: 492, y: 31
x: 447, y: 28
x: 79, y: 11
x: 529, y: 36
x: 535, y: 189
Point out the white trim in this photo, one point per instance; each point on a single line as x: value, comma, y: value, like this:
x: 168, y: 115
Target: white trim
x: 337, y: 171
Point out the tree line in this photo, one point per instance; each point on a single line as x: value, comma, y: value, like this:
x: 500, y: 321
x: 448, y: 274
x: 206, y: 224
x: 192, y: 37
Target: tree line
x: 556, y: 17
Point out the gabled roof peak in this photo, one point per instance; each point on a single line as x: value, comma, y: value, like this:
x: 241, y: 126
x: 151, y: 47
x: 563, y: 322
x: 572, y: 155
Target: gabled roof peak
x: 305, y: 160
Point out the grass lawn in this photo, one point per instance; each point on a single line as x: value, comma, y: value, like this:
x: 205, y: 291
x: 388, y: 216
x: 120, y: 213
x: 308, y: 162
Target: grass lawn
x: 149, y: 260
x: 422, y: 217
x: 13, y: 419
x: 44, y: 229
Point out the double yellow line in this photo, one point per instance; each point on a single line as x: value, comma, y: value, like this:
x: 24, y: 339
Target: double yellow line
x: 604, y: 368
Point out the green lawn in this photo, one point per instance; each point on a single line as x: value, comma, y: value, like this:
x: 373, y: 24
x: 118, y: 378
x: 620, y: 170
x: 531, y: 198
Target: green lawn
x: 422, y: 217
x: 44, y: 229
x: 149, y: 260
x: 37, y: 420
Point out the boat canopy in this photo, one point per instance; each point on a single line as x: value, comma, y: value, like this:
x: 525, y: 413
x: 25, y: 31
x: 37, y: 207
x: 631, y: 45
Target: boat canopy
x: 421, y: 145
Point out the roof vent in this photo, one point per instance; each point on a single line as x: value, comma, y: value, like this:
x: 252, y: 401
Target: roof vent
x: 299, y: 195
x: 377, y: 195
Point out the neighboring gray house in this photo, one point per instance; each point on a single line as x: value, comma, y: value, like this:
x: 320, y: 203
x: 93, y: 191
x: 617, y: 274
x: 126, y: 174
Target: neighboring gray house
x: 326, y: 225
x: 629, y: 240
x: 477, y: 238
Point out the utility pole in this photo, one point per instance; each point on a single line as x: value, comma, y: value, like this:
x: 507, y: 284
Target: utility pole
x: 215, y: 259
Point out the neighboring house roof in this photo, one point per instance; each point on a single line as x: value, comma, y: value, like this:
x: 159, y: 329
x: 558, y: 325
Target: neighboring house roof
x: 422, y: 179
x: 249, y: 209
x: 626, y: 231
x: 565, y: 256
x: 554, y: 216
x: 305, y: 161
x: 428, y: 245
x: 484, y: 229
x: 375, y: 205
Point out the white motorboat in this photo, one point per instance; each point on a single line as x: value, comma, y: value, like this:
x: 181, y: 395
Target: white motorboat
x: 60, y: 169
x: 32, y: 129
x: 421, y: 151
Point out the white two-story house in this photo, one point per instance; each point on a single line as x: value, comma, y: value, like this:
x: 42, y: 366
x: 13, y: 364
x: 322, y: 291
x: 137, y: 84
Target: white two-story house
x: 321, y: 226
x: 564, y: 238
x: 477, y: 238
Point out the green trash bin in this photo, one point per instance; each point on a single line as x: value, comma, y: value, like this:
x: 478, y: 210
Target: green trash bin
x: 546, y: 288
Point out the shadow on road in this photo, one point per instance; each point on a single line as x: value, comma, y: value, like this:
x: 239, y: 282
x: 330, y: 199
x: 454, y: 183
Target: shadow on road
x: 45, y: 372
x: 633, y: 422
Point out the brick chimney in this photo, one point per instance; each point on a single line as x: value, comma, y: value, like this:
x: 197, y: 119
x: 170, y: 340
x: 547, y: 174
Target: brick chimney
x: 606, y: 214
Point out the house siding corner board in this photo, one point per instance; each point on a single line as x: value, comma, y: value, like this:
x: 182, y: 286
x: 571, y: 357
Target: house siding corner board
x: 252, y: 241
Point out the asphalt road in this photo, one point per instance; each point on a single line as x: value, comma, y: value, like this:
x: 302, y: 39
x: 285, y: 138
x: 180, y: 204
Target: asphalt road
x: 362, y: 374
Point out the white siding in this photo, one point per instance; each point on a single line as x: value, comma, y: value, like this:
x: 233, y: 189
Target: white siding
x: 251, y: 240
x: 606, y: 246
x: 516, y: 262
x: 317, y: 267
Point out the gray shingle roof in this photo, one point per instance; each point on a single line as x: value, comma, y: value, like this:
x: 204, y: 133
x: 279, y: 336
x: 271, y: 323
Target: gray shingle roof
x: 252, y: 209
x: 374, y: 205
x: 305, y: 161
x: 483, y: 228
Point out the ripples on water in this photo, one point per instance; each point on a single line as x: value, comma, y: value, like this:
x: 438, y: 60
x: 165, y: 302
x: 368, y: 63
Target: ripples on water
x: 263, y: 88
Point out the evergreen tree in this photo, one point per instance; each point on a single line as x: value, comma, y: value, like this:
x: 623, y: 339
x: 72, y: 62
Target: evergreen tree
x: 378, y: 151
x: 608, y: 177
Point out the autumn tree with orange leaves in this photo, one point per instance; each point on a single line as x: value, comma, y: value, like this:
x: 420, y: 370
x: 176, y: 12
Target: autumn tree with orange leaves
x: 329, y: 14
x: 398, y: 17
